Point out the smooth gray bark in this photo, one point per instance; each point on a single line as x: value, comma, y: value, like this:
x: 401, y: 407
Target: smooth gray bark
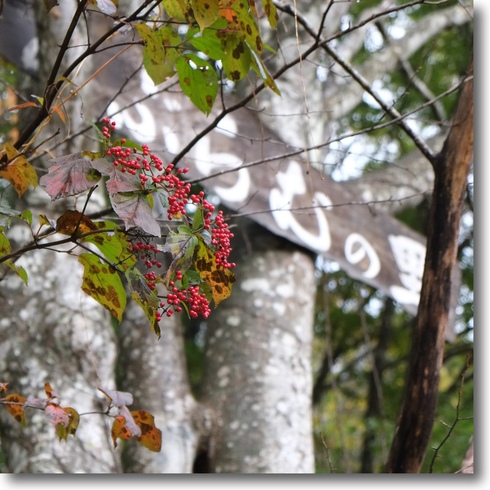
x: 258, y: 376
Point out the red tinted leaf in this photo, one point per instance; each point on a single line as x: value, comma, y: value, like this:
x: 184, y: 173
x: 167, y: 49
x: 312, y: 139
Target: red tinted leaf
x: 69, y: 175
x: 135, y: 211
x: 56, y: 415
x: 119, y: 181
x: 3, y: 387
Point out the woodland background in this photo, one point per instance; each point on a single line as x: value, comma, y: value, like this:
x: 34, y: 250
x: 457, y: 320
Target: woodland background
x: 307, y: 377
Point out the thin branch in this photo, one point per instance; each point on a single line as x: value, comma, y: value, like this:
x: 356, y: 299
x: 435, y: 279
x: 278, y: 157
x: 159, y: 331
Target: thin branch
x: 455, y: 421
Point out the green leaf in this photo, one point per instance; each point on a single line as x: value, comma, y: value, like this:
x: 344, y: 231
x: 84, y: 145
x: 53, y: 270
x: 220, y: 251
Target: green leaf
x: 181, y: 246
x: 178, y: 9
x: 205, y: 12
x: 6, y: 214
x: 237, y: 57
x: 160, y: 52
x: 208, y: 41
x: 271, y: 13
x: 5, y: 247
x: 19, y: 270
x: 245, y: 22
x: 102, y: 282
x: 27, y: 216
x: 113, y: 245
x: 259, y: 68
x: 198, y: 219
x: 199, y: 81
x: 144, y: 297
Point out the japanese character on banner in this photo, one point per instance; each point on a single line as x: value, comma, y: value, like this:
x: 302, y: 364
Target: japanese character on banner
x: 410, y: 258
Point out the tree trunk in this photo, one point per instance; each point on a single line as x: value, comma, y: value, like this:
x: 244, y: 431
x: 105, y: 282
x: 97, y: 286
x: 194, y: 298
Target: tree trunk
x: 257, y: 377
x: 451, y: 172
x: 50, y: 331
x: 154, y: 371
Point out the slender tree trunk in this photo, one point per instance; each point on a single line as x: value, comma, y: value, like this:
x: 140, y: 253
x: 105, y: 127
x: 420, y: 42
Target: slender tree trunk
x: 451, y: 172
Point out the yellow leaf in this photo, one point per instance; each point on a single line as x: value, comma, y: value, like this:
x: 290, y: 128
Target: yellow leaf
x: 19, y: 172
x: 151, y: 436
x: 59, y: 112
x: 218, y: 279
x: 119, y: 430
x: 17, y: 410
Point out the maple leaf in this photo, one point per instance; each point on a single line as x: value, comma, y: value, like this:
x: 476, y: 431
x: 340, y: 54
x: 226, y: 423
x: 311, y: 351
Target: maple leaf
x: 70, y: 175
x: 135, y: 211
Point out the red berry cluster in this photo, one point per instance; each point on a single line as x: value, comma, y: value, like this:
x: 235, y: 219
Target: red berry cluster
x: 154, y: 175
x: 221, y: 239
x: 196, y: 301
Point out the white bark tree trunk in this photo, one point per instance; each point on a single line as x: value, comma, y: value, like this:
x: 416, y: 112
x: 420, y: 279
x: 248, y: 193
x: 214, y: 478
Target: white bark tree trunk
x: 257, y: 376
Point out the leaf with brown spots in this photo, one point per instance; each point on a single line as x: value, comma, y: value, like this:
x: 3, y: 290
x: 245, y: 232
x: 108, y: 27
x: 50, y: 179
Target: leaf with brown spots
x: 102, y: 282
x: 113, y: 244
x: 198, y: 80
x: 271, y: 13
x: 218, y: 279
x: 119, y: 430
x: 205, y: 12
x: 19, y: 172
x: 160, y: 52
x: 151, y: 436
x: 236, y: 57
x: 177, y: 9
x: 73, y: 221
x: 62, y: 430
x: 15, y: 407
x: 50, y: 393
